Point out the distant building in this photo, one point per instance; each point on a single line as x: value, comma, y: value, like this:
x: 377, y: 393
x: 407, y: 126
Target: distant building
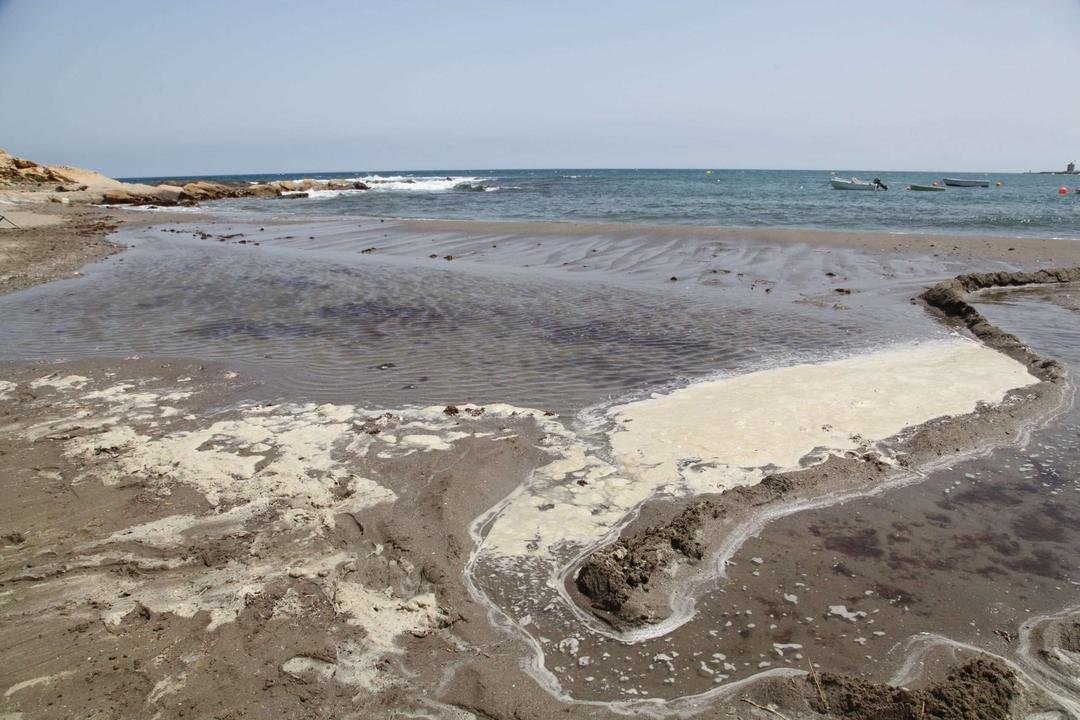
x: 1070, y: 168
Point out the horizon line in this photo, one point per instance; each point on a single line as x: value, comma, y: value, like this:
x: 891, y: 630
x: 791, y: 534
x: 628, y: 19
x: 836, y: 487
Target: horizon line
x: 566, y: 168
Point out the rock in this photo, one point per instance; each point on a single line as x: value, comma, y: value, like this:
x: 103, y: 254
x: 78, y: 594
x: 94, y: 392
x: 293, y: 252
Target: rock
x: 78, y: 176
x: 261, y: 190
x: 23, y: 163
x: 168, y: 194
x: 119, y: 197
x: 32, y: 174
x: 204, y: 190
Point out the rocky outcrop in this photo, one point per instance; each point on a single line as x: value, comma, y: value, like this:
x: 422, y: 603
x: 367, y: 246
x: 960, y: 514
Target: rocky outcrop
x: 64, y: 183
x: 261, y: 191
x: 201, y: 190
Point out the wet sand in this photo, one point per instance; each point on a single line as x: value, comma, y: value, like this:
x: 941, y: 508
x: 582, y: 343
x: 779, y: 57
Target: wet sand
x: 1029, y: 251
x: 294, y: 522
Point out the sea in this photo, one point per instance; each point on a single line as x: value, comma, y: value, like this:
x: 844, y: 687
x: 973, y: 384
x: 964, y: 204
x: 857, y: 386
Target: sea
x: 1015, y: 204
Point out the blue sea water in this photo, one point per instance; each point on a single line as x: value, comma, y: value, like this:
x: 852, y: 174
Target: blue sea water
x: 1024, y: 204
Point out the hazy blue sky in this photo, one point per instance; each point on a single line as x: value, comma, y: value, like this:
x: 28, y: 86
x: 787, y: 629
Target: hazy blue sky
x: 142, y: 87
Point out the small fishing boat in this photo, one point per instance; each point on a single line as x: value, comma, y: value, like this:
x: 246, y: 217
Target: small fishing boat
x: 932, y: 187
x: 958, y: 182
x: 856, y: 184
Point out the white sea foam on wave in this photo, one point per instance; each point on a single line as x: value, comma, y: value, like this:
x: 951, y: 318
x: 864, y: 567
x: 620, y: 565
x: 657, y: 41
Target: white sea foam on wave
x: 325, y: 194
x: 416, y: 183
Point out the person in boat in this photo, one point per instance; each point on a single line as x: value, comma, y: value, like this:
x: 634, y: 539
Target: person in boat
x: 878, y: 183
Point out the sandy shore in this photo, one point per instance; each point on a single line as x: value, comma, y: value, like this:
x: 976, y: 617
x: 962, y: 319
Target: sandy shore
x: 51, y: 244
x: 197, y: 543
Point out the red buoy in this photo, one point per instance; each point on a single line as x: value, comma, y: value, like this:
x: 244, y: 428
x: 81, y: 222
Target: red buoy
x: 1063, y: 190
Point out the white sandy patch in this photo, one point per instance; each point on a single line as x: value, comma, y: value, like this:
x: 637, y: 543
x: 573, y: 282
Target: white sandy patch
x: 5, y: 388
x: 384, y: 619
x: 303, y: 665
x: 177, y: 529
x: 715, y: 435
x: 59, y: 383
x: 220, y: 591
x: 283, y: 451
x: 166, y: 686
x: 44, y: 679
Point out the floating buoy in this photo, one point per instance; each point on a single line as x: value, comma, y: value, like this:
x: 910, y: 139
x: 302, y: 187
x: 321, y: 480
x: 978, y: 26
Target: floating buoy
x: 708, y: 172
x: 1063, y: 190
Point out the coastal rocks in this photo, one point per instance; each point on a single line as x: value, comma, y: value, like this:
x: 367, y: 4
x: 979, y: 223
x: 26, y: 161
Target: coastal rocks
x: 93, y: 187
x: 168, y: 194
x: 203, y: 190
x: 89, y: 178
x: 131, y: 194
x: 310, y: 184
x: 260, y: 191
x: 21, y: 170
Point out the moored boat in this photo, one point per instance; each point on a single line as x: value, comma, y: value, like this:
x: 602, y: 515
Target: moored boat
x: 856, y: 184
x: 932, y: 187
x: 960, y: 182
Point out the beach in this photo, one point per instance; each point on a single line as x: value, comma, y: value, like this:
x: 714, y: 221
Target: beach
x: 326, y: 464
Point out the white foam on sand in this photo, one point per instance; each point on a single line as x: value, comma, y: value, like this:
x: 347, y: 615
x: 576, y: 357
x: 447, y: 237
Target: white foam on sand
x: 715, y: 435
x: 720, y: 434
x: 265, y: 452
x: 384, y: 619
x: 276, y: 477
x: 59, y: 383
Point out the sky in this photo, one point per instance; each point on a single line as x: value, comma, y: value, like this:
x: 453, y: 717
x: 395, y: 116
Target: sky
x: 132, y: 88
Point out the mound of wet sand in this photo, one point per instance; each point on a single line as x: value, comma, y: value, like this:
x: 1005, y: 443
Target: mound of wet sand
x: 950, y: 299
x: 610, y: 576
x: 977, y: 690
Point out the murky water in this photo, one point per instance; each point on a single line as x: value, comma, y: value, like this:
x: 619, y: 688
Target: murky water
x: 316, y: 318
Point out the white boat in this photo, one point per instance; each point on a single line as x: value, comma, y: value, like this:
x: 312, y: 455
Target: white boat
x: 855, y: 184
